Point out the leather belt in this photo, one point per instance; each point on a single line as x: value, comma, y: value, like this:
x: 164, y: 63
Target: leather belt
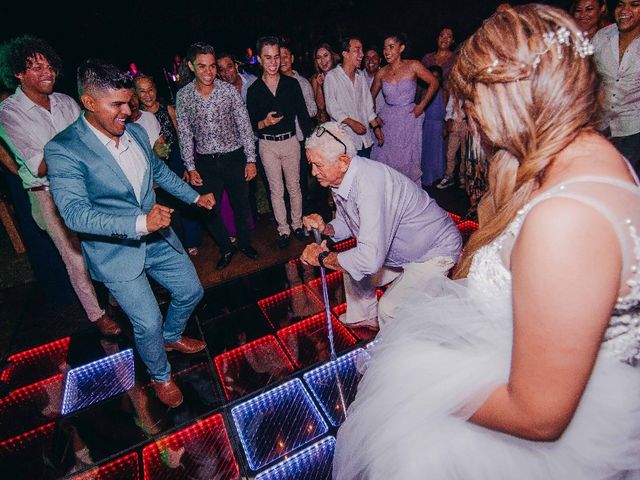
x: 39, y: 188
x: 277, y: 138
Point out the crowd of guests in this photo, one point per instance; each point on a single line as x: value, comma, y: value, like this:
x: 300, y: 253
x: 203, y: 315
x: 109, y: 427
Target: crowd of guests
x: 515, y: 350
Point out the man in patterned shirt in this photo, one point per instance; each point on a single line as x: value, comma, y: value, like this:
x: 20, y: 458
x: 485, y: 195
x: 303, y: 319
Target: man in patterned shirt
x: 214, y: 124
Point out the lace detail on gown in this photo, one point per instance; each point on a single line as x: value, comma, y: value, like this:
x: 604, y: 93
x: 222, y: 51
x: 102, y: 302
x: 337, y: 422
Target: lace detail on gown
x: 489, y: 276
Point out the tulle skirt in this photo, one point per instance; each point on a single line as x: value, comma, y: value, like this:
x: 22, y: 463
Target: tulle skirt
x: 430, y: 370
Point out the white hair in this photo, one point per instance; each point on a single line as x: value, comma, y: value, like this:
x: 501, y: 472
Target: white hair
x: 330, y: 148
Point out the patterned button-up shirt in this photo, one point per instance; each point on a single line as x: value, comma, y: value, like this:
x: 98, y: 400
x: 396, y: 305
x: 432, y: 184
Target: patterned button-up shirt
x: 216, y: 124
x: 620, y: 81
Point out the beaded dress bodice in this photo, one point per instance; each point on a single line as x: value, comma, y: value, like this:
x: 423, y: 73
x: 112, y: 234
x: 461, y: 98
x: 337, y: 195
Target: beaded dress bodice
x: 619, y: 202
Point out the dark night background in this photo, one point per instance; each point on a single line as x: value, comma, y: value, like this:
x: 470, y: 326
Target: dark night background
x: 151, y: 32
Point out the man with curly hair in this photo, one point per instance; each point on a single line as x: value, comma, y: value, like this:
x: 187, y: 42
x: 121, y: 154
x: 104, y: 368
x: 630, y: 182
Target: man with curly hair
x: 29, y: 118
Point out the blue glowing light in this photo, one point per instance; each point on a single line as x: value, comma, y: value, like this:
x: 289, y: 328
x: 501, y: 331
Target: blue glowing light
x: 334, y: 385
x: 312, y: 463
x: 97, y: 381
x: 277, y: 422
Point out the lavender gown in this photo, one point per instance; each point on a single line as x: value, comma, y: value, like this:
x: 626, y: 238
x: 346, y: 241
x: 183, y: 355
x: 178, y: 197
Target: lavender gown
x: 433, y: 152
x: 402, y: 149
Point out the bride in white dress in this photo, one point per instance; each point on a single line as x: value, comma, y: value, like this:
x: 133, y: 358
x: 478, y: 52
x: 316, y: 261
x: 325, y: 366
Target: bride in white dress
x: 526, y: 368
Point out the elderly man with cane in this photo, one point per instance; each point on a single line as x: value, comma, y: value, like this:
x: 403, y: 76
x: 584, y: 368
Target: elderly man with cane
x: 402, y: 235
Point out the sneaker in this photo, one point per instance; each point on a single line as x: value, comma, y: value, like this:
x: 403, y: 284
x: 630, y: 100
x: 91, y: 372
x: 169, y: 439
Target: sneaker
x: 284, y: 241
x: 446, y: 182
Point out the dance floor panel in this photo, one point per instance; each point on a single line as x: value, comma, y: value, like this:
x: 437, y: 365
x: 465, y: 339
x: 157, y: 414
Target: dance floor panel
x: 334, y: 385
x: 276, y: 423
x: 307, y: 341
x: 36, y: 363
x: 335, y: 288
x: 202, y: 450
x: 253, y: 366
x: 290, y: 306
x: 312, y: 463
x: 30, y: 407
x: 97, y: 381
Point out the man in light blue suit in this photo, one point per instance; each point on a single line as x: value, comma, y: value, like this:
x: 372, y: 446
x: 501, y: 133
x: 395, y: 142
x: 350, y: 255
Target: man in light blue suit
x: 101, y: 172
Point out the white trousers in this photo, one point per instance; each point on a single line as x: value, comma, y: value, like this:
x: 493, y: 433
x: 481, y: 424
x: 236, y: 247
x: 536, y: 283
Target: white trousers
x: 362, y: 302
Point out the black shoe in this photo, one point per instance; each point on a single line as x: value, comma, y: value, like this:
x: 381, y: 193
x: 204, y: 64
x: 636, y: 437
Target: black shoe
x: 284, y: 241
x: 250, y: 252
x: 299, y: 234
x: 225, y: 260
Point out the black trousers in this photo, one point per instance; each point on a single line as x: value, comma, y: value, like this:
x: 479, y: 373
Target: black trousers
x: 226, y: 172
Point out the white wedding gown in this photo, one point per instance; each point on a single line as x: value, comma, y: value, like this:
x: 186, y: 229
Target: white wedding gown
x: 450, y: 347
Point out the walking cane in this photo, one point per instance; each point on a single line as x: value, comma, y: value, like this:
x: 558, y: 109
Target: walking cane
x: 327, y: 312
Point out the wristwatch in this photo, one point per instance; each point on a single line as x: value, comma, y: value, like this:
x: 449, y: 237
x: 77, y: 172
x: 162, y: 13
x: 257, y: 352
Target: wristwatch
x: 321, y: 258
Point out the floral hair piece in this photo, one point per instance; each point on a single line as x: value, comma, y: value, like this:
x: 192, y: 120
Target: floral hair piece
x: 582, y: 45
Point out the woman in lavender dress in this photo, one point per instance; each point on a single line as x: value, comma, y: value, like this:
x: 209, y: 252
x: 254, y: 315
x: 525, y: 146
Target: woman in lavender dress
x: 433, y: 151
x: 444, y: 56
x: 402, y: 130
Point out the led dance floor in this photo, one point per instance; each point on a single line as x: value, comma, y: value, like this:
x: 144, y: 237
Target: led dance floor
x: 262, y: 401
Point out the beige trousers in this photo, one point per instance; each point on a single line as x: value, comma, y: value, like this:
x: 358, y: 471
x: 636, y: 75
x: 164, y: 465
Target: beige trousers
x: 362, y: 302
x: 46, y: 216
x: 280, y: 158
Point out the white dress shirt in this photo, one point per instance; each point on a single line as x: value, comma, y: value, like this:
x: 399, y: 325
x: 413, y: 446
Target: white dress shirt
x: 347, y: 99
x: 247, y: 80
x: 394, y: 220
x: 620, y: 81
x: 309, y: 100
x: 27, y: 127
x: 131, y: 159
x: 150, y: 123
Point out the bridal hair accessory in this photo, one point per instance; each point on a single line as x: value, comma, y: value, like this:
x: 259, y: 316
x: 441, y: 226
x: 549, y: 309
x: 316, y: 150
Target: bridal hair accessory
x: 560, y: 38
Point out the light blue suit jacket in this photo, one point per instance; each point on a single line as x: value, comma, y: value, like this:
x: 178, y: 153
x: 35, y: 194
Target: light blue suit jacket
x: 95, y: 199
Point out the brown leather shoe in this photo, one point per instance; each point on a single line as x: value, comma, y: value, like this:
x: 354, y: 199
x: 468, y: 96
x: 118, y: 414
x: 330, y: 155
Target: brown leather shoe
x: 107, y: 326
x: 168, y: 393
x: 186, y: 345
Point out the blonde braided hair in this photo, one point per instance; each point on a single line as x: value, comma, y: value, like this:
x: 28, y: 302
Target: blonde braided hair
x: 525, y: 102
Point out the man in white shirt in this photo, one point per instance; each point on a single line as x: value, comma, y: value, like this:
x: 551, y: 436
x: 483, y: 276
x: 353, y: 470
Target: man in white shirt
x: 349, y: 100
x: 371, y: 67
x: 29, y: 118
x: 228, y: 71
x: 617, y: 58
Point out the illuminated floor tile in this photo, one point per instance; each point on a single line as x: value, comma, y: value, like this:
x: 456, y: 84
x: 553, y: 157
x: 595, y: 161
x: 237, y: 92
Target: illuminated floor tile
x: 335, y: 288
x: 22, y: 457
x: 345, y: 245
x: 335, y: 384
x: 276, y: 423
x: 456, y: 218
x: 98, y: 381
x: 312, y: 463
x: 290, y: 306
x: 123, y: 468
x: 36, y: 363
x: 307, y: 341
x: 252, y: 366
x: 200, y: 451
x: 29, y: 407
